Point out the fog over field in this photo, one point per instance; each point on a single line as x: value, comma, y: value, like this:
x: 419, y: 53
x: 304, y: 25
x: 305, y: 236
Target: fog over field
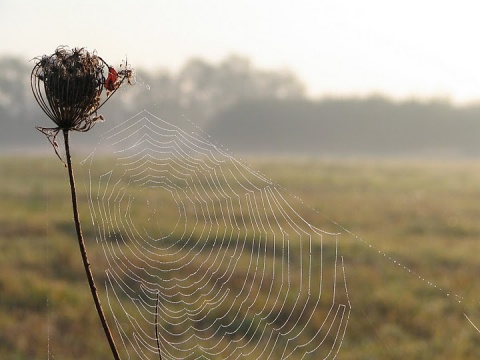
x: 250, y: 110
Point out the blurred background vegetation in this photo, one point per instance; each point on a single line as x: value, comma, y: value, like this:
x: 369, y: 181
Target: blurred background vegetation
x: 413, y: 214
x: 257, y: 111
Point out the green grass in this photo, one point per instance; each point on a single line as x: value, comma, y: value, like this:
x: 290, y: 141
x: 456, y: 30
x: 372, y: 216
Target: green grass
x: 411, y: 257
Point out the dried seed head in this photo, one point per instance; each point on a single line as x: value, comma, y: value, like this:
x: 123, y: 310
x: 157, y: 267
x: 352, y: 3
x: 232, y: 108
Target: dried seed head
x: 68, y: 86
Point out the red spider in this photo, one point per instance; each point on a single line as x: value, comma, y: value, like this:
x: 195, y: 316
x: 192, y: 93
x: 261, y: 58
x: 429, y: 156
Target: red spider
x: 110, y: 83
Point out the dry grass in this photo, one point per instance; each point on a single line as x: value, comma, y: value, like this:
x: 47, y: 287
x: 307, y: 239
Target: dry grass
x: 413, y: 260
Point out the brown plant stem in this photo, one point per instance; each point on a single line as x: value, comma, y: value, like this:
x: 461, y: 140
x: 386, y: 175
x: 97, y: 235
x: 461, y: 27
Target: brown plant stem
x: 83, y: 250
x: 157, y: 336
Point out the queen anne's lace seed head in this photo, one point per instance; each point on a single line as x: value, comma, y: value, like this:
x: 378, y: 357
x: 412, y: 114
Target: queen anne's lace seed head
x: 68, y: 86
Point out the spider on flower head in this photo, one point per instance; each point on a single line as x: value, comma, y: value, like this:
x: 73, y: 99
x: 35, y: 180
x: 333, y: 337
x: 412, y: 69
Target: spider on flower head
x: 114, y: 78
x: 111, y: 83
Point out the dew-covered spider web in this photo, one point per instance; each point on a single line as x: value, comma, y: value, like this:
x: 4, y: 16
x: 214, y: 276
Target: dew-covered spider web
x: 204, y: 257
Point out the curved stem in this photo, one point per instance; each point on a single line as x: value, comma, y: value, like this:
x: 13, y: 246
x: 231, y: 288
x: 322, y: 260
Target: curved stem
x: 83, y: 251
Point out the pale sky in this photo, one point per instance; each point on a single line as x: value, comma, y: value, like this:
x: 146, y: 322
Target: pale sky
x: 402, y: 49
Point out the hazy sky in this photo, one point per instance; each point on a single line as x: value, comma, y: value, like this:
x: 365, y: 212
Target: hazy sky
x: 420, y: 48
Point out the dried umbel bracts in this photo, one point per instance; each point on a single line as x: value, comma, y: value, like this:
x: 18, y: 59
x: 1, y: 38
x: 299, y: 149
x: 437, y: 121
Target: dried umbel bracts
x: 68, y: 86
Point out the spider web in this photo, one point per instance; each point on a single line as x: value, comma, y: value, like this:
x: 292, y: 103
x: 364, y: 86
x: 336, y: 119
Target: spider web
x: 205, y: 258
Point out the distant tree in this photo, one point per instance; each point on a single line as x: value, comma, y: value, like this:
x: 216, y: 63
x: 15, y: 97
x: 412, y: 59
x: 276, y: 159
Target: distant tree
x: 13, y: 84
x: 206, y: 89
x: 16, y: 105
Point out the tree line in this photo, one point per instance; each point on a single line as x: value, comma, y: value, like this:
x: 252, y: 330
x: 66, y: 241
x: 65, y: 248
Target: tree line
x: 375, y: 126
x: 199, y: 90
x: 248, y: 109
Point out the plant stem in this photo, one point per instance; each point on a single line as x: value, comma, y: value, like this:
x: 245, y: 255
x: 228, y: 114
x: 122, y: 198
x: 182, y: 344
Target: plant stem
x: 83, y: 250
x: 157, y: 336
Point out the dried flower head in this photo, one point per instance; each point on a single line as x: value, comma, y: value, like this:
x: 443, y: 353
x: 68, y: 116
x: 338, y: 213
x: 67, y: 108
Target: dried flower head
x: 68, y: 86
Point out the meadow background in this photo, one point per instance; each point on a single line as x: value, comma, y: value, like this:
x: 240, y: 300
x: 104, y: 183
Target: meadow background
x: 422, y: 214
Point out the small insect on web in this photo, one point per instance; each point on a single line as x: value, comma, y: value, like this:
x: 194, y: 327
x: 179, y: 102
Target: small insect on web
x: 206, y: 259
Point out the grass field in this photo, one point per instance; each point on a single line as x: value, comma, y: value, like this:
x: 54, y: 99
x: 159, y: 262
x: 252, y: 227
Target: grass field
x: 410, y: 239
